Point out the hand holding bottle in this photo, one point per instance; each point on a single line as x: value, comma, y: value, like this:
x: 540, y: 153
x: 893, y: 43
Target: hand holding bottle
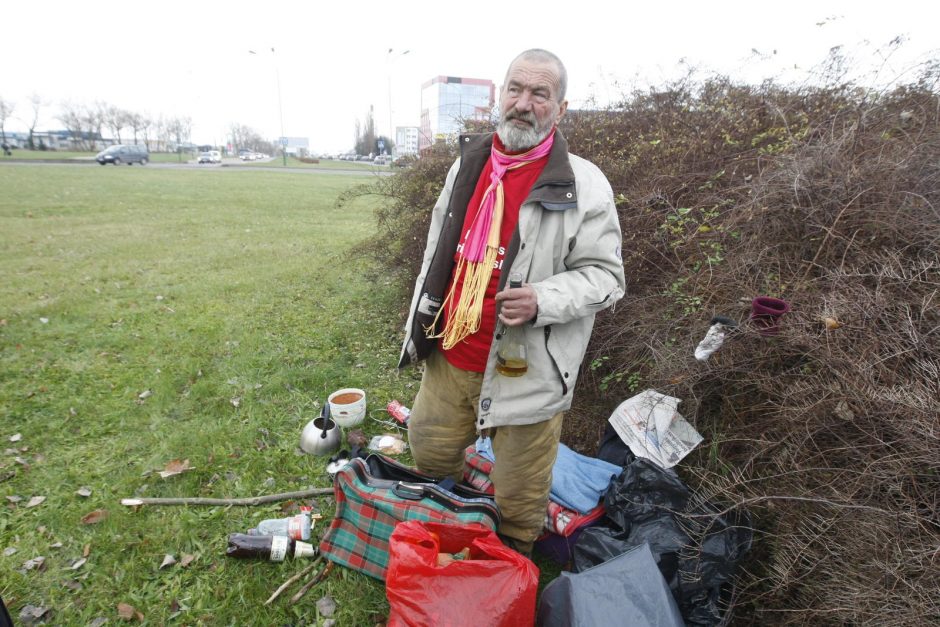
x: 518, y: 303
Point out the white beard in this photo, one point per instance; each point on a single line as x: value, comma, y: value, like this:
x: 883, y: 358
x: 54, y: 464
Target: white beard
x: 516, y: 138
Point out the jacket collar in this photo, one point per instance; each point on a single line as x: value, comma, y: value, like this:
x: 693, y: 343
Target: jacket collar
x: 555, y: 187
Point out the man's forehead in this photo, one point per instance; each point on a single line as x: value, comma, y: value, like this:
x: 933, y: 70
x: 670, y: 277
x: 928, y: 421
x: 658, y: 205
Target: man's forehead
x: 533, y: 73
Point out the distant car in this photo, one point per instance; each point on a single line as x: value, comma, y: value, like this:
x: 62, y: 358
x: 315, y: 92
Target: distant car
x: 120, y: 153
x: 404, y: 161
x: 380, y: 160
x: 210, y: 156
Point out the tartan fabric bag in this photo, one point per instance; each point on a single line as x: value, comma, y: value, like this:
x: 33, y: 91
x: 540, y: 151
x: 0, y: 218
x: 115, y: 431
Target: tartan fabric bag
x: 477, y: 470
x: 375, y: 494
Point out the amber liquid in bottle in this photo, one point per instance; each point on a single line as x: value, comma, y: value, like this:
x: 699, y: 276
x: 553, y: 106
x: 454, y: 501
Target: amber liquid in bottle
x: 511, y: 358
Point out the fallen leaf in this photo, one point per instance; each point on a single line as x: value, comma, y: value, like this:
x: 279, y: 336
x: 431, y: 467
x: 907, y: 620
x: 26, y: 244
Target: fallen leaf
x: 98, y: 622
x: 32, y: 614
x: 831, y: 324
x: 86, y: 551
x: 168, y: 560
x: 236, y: 401
x: 16, y: 437
x: 73, y: 585
x: 326, y: 606
x: 78, y: 563
x: 56, y: 545
x: 36, y: 563
x: 10, y: 550
x: 126, y: 611
x: 14, y: 498
x: 21, y: 462
x: 145, y: 395
x: 36, y: 500
x: 174, y: 606
x: 94, y: 517
x: 175, y: 467
x: 187, y: 560
x: 83, y: 491
x: 44, y: 320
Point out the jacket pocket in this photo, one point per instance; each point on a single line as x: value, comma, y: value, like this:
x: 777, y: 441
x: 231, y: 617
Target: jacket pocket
x: 558, y: 371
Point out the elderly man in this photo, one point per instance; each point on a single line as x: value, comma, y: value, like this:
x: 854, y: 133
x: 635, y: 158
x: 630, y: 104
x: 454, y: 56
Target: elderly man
x: 516, y: 202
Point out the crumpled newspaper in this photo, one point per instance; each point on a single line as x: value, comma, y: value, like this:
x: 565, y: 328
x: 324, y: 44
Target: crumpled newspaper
x: 651, y: 426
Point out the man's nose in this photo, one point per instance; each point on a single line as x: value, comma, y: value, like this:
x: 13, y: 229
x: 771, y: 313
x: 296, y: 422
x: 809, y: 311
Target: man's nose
x: 524, y: 101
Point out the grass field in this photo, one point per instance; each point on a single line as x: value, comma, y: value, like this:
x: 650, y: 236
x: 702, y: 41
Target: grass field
x: 150, y: 315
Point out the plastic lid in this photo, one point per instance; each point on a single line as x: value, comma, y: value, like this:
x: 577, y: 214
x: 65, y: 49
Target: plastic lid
x: 304, y: 549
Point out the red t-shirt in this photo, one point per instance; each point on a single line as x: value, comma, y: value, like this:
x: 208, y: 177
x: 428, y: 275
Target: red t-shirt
x: 472, y: 352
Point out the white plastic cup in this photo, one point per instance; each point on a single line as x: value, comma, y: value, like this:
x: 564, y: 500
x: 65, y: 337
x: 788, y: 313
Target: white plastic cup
x: 345, y: 408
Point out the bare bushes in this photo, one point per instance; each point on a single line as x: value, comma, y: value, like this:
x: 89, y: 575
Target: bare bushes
x: 828, y: 433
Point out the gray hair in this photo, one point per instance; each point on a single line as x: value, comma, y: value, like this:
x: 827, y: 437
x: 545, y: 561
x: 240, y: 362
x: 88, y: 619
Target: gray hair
x: 544, y: 56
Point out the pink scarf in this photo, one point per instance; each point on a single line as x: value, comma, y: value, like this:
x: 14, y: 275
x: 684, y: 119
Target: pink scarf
x: 476, y: 259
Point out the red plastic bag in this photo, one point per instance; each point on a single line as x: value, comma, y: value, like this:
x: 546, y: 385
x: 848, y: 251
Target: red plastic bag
x: 493, y: 586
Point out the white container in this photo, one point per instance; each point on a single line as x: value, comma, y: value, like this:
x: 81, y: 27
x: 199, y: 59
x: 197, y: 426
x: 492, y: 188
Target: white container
x: 349, y: 411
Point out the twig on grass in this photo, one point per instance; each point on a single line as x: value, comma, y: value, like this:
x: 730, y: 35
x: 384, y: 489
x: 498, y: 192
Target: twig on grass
x: 319, y: 577
x: 287, y: 583
x: 251, y: 500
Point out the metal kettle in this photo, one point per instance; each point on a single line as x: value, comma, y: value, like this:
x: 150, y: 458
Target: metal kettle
x: 322, y: 435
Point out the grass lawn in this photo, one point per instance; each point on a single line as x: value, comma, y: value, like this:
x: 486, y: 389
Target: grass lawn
x: 325, y: 164
x: 149, y: 315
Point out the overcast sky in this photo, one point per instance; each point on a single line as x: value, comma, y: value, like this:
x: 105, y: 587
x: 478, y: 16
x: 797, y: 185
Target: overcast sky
x: 191, y: 58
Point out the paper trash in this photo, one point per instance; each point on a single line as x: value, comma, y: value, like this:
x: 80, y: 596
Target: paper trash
x: 651, y: 426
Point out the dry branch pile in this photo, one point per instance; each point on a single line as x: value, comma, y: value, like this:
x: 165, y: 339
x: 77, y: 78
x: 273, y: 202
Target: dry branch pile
x: 828, y: 433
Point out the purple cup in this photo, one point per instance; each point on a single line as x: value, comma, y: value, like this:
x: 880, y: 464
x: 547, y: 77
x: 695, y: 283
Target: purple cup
x: 766, y: 312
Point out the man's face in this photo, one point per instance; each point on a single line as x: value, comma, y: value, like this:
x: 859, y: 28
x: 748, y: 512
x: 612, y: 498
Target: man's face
x: 528, y: 104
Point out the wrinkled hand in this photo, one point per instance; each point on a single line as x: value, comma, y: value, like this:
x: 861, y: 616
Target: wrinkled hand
x: 519, y: 305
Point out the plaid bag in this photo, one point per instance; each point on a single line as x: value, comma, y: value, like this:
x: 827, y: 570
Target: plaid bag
x: 375, y: 494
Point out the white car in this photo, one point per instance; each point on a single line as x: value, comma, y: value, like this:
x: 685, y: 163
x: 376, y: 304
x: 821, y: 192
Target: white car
x: 210, y: 156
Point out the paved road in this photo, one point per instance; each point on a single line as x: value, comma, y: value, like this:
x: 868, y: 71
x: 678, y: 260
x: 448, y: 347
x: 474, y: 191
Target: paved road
x: 233, y: 165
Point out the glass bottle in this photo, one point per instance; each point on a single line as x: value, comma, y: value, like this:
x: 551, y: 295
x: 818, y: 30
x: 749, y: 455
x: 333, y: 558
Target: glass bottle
x: 294, y: 527
x: 511, y: 358
x: 273, y: 548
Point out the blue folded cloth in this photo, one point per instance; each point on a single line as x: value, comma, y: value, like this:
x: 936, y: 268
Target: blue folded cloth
x: 484, y: 446
x: 578, y: 481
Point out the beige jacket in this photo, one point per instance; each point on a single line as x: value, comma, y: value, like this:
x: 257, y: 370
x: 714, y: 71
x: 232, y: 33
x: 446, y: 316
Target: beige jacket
x: 568, y: 246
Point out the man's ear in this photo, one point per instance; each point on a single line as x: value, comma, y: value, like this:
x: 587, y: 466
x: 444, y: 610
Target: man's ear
x: 561, y: 111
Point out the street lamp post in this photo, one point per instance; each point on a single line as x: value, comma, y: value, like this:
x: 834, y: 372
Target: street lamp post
x: 389, y: 58
x: 280, y: 104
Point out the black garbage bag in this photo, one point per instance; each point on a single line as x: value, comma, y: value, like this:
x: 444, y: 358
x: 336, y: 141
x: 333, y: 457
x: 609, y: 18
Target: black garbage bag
x: 624, y: 590
x: 696, y: 550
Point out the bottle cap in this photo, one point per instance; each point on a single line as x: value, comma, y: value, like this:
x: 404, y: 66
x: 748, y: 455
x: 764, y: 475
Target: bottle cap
x: 304, y: 549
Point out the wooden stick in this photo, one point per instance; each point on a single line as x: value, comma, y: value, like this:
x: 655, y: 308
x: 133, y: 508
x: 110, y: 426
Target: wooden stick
x: 287, y: 583
x: 320, y: 577
x: 252, y: 500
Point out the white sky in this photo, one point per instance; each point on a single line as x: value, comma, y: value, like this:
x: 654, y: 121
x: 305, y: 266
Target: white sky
x: 191, y: 58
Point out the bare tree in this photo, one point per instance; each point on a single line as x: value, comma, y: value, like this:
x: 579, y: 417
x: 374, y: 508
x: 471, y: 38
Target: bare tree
x: 179, y: 129
x: 146, y: 127
x: 93, y: 118
x: 72, y: 117
x: 115, y: 119
x: 6, y: 110
x: 35, y: 102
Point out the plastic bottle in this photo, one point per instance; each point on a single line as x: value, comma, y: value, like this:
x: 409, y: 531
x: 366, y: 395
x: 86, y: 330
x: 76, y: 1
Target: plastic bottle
x: 294, y: 527
x: 273, y: 548
x: 511, y: 360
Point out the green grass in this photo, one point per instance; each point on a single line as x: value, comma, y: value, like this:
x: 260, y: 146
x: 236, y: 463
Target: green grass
x: 202, y: 287
x: 325, y: 164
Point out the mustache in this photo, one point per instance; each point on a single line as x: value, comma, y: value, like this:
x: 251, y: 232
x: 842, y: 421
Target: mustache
x: 525, y: 116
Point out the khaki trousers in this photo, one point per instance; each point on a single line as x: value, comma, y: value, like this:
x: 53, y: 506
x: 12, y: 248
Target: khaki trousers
x: 443, y: 424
